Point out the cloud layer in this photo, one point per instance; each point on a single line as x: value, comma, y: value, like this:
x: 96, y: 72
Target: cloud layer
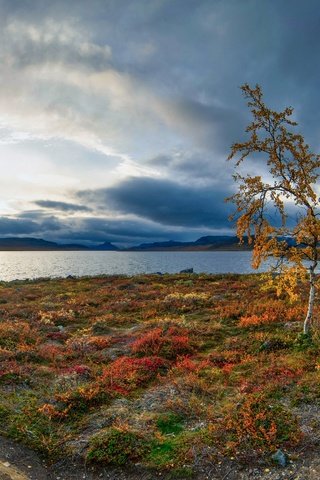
x: 116, y: 117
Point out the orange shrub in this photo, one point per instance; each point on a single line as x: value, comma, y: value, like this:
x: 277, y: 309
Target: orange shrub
x: 273, y: 311
x: 230, y: 310
x: 15, y: 333
x: 85, y: 343
x: 250, y: 321
x: 260, y: 425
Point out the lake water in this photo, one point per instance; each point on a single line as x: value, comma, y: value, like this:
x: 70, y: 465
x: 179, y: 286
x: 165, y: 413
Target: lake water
x: 22, y: 265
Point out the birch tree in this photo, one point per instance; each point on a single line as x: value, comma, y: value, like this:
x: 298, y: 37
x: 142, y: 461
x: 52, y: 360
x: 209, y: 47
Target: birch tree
x: 279, y: 209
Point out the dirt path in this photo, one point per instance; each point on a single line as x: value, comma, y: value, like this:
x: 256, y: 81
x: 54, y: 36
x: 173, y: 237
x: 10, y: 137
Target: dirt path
x: 19, y: 463
x: 9, y: 473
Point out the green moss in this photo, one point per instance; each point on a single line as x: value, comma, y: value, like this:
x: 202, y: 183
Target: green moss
x: 162, y: 453
x: 170, y: 423
x: 4, y: 413
x: 304, y: 342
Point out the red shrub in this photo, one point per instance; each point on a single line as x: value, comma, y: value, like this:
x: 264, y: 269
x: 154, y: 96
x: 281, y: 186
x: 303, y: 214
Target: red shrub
x: 165, y: 343
x: 50, y: 352
x: 58, y: 336
x: 79, y: 370
x: 12, y: 372
x: 126, y: 374
x: 187, y: 364
x: 281, y: 375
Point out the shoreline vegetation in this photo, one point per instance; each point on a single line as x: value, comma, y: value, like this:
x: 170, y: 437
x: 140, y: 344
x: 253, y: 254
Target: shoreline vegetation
x: 170, y: 376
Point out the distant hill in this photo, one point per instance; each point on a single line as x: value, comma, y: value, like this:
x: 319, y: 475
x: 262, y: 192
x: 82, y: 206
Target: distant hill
x: 207, y: 243
x: 202, y: 244
x: 171, y: 244
x: 29, y: 244
x: 105, y: 246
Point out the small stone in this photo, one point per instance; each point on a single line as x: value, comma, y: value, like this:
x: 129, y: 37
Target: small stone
x: 6, y: 464
x: 280, y: 458
x: 187, y: 270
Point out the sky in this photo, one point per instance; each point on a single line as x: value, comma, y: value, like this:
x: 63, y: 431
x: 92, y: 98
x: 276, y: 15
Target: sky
x: 117, y: 116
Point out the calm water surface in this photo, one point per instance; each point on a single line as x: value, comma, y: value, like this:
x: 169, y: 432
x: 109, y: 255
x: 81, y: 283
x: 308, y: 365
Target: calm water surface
x: 22, y: 265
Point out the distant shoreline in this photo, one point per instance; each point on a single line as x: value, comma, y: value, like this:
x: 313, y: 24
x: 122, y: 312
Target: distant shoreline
x: 206, y: 243
x: 128, y: 250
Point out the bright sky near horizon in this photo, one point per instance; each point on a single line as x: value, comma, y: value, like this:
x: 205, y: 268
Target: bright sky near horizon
x: 116, y: 116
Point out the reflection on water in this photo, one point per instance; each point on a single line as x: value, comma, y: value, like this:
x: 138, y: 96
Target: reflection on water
x: 21, y: 265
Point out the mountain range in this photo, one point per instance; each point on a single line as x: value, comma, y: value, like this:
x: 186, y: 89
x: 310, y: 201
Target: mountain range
x: 205, y: 243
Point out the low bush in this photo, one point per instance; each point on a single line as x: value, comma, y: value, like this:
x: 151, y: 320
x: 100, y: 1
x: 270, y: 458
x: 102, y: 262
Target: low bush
x: 258, y: 425
x: 167, y: 343
x: 118, y: 447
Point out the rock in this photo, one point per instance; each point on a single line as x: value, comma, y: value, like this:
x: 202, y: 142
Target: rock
x: 292, y: 326
x: 187, y: 270
x: 280, y: 458
x: 272, y: 345
x: 127, y: 286
x: 71, y: 277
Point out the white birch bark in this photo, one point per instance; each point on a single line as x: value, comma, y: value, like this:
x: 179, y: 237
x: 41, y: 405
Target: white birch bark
x: 309, y: 316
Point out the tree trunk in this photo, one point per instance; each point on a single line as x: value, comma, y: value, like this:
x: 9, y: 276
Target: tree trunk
x: 309, y: 316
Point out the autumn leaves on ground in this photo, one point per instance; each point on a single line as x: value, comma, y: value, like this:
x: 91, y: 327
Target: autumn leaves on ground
x: 176, y: 373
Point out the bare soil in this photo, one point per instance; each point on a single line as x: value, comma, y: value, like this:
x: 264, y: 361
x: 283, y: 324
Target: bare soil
x: 19, y: 463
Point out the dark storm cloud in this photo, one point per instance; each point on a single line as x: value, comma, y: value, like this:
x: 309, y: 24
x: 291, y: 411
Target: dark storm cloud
x: 17, y: 226
x: 166, y: 202
x: 93, y: 230
x: 26, y: 224
x: 62, y: 206
x: 123, y: 231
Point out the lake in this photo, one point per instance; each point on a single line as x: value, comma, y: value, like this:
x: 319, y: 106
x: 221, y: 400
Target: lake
x: 22, y: 265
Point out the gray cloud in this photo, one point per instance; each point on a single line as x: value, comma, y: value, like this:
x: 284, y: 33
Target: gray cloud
x: 198, y: 166
x: 62, y: 206
x: 52, y: 41
x: 209, y: 125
